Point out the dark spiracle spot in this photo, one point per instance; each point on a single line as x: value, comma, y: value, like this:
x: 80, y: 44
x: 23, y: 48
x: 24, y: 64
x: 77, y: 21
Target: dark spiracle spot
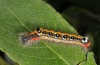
x: 44, y: 32
x: 72, y: 38
x: 78, y: 39
x: 65, y: 36
x: 38, y: 29
x: 50, y: 33
x: 57, y: 35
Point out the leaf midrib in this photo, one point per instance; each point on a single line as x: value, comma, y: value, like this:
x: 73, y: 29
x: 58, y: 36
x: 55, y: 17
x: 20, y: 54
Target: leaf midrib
x: 63, y: 59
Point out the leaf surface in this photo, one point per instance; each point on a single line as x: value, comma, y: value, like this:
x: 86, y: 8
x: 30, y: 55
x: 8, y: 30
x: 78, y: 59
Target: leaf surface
x: 19, y: 16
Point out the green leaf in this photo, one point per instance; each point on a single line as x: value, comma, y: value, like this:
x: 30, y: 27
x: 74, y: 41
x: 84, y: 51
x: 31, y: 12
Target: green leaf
x: 89, y: 61
x: 19, y: 16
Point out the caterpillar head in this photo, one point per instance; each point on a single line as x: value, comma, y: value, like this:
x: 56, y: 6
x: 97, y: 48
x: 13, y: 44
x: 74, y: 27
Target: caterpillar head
x: 86, y: 41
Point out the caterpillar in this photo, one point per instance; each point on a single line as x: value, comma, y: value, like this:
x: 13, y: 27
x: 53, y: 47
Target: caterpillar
x: 50, y: 35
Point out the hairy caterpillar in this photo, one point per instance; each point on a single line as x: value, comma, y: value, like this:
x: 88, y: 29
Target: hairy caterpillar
x: 50, y: 35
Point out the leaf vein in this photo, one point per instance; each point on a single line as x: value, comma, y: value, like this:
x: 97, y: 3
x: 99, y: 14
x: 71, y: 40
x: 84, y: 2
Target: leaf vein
x: 17, y: 18
x: 57, y: 54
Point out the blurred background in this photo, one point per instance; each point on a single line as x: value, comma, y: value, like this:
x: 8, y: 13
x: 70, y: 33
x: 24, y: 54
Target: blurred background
x: 83, y: 15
